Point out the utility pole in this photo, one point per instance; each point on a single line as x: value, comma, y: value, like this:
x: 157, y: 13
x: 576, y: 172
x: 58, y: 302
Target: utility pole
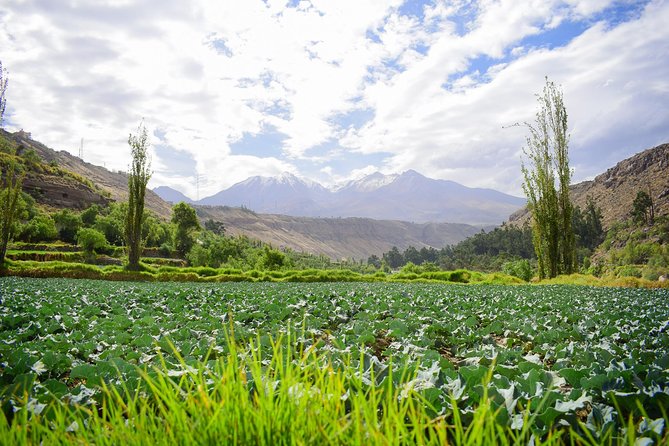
x: 81, y: 149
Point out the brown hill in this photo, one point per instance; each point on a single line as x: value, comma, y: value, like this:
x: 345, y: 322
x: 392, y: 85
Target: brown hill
x: 337, y: 238
x: 56, y: 190
x: 615, y: 190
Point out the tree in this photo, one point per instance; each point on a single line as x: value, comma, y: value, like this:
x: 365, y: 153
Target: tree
x: 642, y: 208
x: 11, y: 181
x: 550, y: 206
x: 217, y: 227
x: 394, y: 258
x: 3, y: 90
x: 272, y: 259
x: 91, y: 241
x: 185, y: 220
x: 374, y: 261
x: 67, y: 225
x: 112, y: 224
x: 89, y: 215
x: 587, y: 226
x: 138, y: 178
x: 40, y: 228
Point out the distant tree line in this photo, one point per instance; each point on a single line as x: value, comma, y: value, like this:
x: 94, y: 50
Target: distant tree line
x: 490, y: 251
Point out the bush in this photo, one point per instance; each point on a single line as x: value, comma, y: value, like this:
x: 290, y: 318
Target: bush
x: 91, y: 240
x: 272, y: 259
x: 41, y: 228
x: 629, y: 271
x: 67, y: 224
x: 518, y: 268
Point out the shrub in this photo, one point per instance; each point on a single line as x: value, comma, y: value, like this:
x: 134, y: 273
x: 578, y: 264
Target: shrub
x: 41, y: 228
x: 461, y: 276
x: 67, y: 224
x: 91, y: 240
x: 518, y: 268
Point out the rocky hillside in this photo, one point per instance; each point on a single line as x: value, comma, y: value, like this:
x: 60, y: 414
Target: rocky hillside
x: 337, y: 238
x: 615, y: 190
x: 56, y: 190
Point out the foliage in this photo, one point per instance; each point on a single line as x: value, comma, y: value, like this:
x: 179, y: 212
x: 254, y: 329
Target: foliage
x: 138, y: 178
x: 112, y: 223
x: 89, y: 215
x: 31, y: 157
x: 272, y: 259
x: 485, y: 251
x: 155, y: 232
x: 551, y: 208
x: 156, y: 359
x: 40, y: 228
x: 68, y: 223
x: 394, y: 258
x: 632, y: 250
x: 217, y: 227
x: 10, y: 191
x: 518, y: 268
x: 91, y: 240
x: 642, y: 208
x: 185, y: 222
x: 587, y: 225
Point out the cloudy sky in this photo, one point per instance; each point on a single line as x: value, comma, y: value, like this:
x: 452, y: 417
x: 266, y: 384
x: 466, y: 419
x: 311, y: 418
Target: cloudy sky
x: 332, y: 90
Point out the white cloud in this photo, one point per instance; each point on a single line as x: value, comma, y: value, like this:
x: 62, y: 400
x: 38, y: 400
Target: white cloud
x: 205, y: 74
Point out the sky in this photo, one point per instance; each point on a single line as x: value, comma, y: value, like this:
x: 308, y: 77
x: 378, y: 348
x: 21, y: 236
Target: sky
x: 333, y: 90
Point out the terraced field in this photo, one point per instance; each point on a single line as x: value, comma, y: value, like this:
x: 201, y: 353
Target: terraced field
x: 579, y: 357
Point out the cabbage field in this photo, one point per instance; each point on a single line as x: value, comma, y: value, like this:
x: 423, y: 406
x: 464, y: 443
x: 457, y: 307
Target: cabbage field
x: 554, y: 356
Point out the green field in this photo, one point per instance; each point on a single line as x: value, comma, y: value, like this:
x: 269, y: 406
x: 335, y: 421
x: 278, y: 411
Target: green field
x: 593, y: 361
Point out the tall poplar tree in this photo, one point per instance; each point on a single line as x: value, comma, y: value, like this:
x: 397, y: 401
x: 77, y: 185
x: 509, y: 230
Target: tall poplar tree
x: 11, y: 177
x: 138, y: 178
x: 11, y: 180
x: 546, y: 185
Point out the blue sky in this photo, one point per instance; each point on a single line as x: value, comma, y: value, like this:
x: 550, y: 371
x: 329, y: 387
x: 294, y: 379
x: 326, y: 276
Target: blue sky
x: 334, y: 90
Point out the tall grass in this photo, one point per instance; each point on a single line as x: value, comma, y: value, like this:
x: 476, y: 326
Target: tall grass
x: 284, y: 396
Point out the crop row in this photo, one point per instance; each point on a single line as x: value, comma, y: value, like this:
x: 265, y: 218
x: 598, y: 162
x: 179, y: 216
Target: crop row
x: 569, y: 354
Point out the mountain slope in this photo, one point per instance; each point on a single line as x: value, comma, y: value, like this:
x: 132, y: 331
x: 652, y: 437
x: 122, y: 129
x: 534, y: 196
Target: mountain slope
x: 336, y: 237
x: 115, y: 183
x: 285, y: 194
x: 414, y: 197
x: 171, y: 195
x: 614, y: 190
x: 408, y: 197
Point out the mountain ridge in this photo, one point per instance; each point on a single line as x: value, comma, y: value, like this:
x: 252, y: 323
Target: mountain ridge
x: 408, y: 196
x: 337, y: 238
x: 614, y: 190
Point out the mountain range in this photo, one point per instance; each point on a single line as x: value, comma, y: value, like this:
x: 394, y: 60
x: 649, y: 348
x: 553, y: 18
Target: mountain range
x: 76, y: 184
x: 409, y: 196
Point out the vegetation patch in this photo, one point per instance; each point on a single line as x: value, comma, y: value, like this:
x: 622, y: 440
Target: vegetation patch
x: 266, y: 363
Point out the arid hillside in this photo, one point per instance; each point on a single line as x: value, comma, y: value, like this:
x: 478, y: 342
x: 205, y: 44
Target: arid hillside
x: 615, y: 190
x: 337, y: 238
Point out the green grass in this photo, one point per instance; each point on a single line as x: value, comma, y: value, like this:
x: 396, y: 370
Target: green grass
x: 289, y: 396
x: 162, y: 273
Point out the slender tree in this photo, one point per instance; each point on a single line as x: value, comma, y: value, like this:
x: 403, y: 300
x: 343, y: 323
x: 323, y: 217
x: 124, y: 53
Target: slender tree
x: 546, y: 185
x: 12, y: 179
x: 185, y: 221
x: 138, y: 178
